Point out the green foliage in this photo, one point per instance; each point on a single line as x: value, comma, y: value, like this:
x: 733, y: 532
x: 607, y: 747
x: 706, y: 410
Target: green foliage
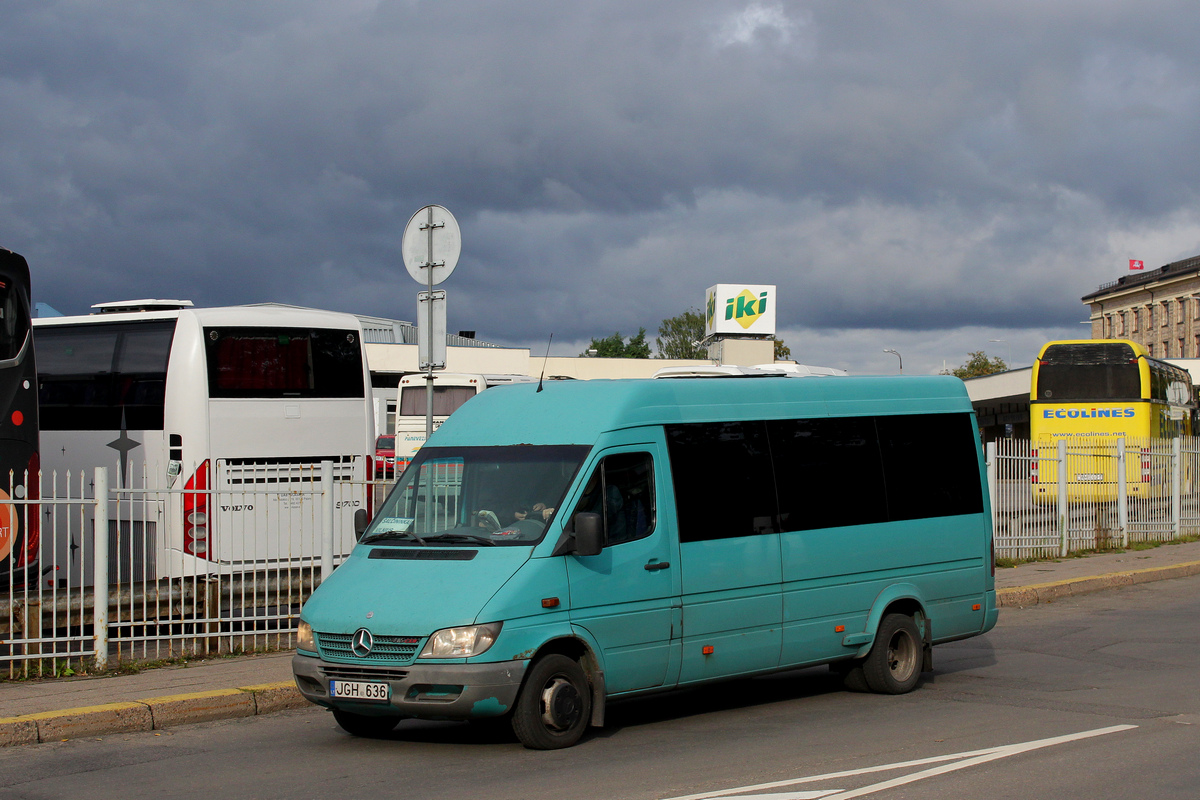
x: 677, y: 336
x: 977, y: 365
x: 782, y: 351
x: 615, y: 346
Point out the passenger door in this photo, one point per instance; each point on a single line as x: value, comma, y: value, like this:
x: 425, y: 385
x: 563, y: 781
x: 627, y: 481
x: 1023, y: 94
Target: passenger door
x: 627, y: 596
x: 728, y: 523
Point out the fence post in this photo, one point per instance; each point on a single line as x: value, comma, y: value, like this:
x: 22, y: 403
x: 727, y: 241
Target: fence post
x: 993, y: 481
x: 326, y: 520
x: 1062, y: 497
x: 100, y: 568
x: 1122, y: 496
x: 1176, y: 498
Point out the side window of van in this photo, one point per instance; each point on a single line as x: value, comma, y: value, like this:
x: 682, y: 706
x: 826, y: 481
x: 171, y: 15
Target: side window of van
x: 724, y: 486
x: 626, y: 482
x: 932, y: 465
x: 829, y: 472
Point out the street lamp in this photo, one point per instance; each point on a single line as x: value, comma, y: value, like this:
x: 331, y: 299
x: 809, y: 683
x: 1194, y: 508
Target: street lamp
x: 897, y: 355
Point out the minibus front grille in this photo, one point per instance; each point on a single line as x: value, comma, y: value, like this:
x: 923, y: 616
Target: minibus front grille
x: 352, y: 673
x: 384, y: 649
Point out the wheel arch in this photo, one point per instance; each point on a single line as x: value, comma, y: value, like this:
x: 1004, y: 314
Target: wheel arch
x: 899, y: 598
x: 578, y: 647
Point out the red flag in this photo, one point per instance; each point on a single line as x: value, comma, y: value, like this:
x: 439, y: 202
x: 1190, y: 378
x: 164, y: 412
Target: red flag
x: 1135, y: 264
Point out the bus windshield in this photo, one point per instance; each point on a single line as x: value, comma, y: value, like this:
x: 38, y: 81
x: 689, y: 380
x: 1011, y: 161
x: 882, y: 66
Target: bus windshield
x: 1100, y: 371
x: 468, y: 496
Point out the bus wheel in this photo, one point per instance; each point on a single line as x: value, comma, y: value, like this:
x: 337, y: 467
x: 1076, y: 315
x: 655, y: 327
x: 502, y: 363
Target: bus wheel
x: 894, y: 663
x: 554, y: 706
x: 363, y: 725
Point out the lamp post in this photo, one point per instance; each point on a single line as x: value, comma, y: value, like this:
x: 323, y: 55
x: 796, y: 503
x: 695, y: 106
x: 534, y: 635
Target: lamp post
x: 897, y: 355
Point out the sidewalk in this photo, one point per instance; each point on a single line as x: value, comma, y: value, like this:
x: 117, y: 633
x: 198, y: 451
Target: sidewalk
x: 223, y: 688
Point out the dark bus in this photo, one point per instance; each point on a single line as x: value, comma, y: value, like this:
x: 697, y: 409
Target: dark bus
x: 19, y: 460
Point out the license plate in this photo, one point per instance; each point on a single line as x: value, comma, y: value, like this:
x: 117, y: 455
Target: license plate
x: 1090, y: 477
x: 359, y: 690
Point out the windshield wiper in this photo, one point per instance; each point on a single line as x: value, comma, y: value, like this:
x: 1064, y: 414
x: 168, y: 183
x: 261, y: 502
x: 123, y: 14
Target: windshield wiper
x: 460, y: 537
x: 384, y: 536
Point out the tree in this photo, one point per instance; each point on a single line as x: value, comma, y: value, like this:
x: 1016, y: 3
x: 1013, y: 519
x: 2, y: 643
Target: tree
x: 782, y: 351
x: 978, y: 364
x: 615, y: 346
x: 677, y: 336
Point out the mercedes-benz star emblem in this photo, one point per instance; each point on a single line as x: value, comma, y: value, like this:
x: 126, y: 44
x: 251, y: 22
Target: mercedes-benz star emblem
x: 362, y: 643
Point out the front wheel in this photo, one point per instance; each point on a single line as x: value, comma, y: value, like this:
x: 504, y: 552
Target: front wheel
x: 366, y: 726
x: 894, y: 663
x: 554, y: 706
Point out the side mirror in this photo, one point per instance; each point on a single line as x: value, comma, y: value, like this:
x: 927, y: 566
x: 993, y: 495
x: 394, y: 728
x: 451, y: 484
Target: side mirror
x: 360, y: 523
x: 589, y: 534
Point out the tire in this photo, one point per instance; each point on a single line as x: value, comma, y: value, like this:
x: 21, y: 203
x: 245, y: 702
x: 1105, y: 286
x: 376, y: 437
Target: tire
x: 894, y: 664
x: 555, y: 704
x: 365, y: 726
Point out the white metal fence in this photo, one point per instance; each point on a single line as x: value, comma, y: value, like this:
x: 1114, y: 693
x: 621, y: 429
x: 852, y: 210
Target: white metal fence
x: 1077, y: 495
x: 117, y: 581
x: 156, y: 572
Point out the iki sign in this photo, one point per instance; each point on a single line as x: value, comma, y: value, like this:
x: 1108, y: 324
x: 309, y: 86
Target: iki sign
x: 735, y: 308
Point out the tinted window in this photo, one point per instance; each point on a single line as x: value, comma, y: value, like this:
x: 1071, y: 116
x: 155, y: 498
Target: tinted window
x: 931, y: 465
x: 1097, y: 371
x: 103, y: 377
x: 828, y: 471
x: 721, y: 472
x: 446, y: 400
x: 626, y: 481
x: 283, y: 362
x: 14, y: 317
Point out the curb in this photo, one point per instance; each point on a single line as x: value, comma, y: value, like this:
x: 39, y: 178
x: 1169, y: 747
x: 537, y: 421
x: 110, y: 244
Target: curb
x: 152, y: 713
x: 1021, y: 596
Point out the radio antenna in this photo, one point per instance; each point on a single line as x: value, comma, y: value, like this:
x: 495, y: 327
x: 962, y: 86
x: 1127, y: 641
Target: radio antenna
x: 544, y: 360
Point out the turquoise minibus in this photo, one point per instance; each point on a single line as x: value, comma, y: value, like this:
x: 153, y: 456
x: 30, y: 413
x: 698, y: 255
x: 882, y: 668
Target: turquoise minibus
x: 554, y: 548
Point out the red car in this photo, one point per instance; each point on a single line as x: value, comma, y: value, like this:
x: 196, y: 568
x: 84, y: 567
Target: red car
x: 385, y: 457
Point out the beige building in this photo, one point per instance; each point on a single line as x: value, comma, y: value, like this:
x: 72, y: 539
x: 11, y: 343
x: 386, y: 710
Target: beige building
x: 1159, y: 309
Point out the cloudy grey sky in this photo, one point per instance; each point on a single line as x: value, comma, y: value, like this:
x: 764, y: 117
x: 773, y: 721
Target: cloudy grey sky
x: 928, y: 176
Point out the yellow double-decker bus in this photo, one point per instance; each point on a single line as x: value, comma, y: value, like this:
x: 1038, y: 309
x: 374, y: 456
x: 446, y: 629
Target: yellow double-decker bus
x: 1092, y: 392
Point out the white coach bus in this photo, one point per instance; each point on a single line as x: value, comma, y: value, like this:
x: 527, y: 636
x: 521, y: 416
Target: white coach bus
x: 216, y: 421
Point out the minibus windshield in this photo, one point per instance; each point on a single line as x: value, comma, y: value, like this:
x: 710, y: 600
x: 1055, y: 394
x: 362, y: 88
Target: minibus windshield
x: 470, y: 496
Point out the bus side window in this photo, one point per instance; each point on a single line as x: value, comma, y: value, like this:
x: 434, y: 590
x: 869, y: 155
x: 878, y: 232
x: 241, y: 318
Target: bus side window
x: 626, y: 480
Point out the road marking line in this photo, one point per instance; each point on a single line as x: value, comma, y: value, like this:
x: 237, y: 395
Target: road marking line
x: 963, y: 760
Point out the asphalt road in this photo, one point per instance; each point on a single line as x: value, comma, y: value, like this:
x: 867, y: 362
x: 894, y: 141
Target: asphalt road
x: 1093, y: 697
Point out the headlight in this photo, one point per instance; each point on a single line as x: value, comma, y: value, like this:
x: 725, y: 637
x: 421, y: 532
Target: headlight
x: 461, y: 642
x: 304, y: 638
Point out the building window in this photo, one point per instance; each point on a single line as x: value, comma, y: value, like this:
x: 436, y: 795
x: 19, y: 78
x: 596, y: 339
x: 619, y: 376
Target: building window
x: 1166, y: 351
x: 1181, y: 352
x: 1134, y: 320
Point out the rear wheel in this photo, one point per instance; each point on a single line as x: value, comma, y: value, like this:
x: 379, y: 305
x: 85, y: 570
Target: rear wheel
x: 894, y: 663
x: 555, y: 704
x: 365, y: 726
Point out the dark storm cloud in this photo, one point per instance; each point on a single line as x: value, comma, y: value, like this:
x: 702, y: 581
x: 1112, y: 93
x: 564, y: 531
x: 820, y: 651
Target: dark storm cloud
x: 929, y: 167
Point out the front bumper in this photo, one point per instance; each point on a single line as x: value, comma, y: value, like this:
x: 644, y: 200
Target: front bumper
x: 424, y: 691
